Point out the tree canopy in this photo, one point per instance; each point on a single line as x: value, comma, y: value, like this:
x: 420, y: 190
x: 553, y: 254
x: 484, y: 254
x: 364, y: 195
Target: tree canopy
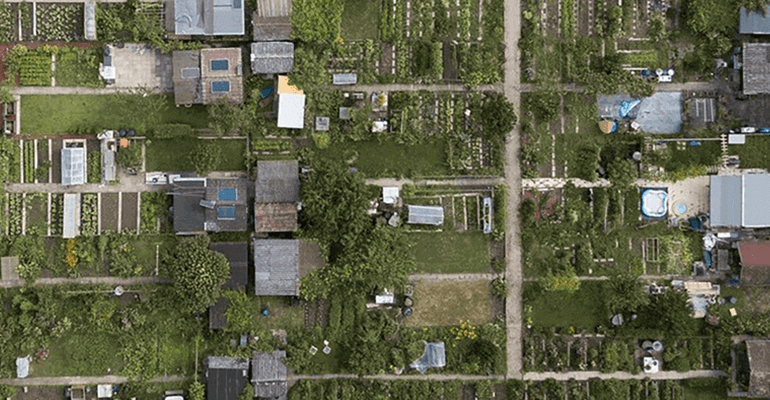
x: 624, y: 293
x: 198, y: 273
x: 316, y: 20
x: 497, y: 116
x: 310, y: 68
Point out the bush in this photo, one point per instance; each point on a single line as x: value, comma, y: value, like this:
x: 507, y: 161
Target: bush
x: 501, y: 211
x: 171, y: 131
x: 196, y: 391
x: 95, y: 166
x: 131, y: 156
x: 499, y: 265
x: 205, y: 157
x: 7, y: 391
x: 499, y: 287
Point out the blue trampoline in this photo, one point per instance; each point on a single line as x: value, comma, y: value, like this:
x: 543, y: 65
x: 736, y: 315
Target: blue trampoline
x: 227, y: 194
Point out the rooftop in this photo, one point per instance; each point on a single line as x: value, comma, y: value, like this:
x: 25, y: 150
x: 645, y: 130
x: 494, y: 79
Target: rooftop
x: 755, y: 263
x: 738, y: 200
x: 208, y: 18
x: 226, y: 377
x: 271, y: 20
x: 268, y: 374
x: 427, y: 215
x: 277, y: 182
x: 272, y: 57
x: 208, y: 75
x: 755, y: 23
x: 275, y: 217
x: 199, y: 206
x: 759, y: 364
x: 237, y: 255
x: 756, y: 68
x: 276, y: 267
x: 73, y: 166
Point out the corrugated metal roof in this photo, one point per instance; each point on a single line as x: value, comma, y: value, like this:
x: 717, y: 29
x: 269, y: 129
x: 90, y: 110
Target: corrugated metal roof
x: 271, y: 28
x: 725, y: 200
x: 268, y: 374
x: 277, y: 182
x: 225, y: 377
x: 274, y: 8
x: 427, y: 215
x: 272, y: 57
x: 276, y: 267
x: 344, y: 79
x: 71, y: 217
x: 209, y: 17
x: 756, y: 191
x: 756, y: 68
x: 755, y: 23
x: 291, y: 111
x: 73, y: 166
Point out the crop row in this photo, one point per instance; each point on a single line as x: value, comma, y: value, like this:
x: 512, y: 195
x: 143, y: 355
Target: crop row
x: 270, y: 145
x: 15, y: 210
x: 88, y: 215
x: 57, y: 213
x: 29, y: 161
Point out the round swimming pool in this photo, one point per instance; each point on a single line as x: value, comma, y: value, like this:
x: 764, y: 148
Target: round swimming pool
x: 654, y: 203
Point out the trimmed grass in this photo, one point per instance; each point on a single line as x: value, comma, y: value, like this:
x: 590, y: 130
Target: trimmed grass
x: 360, y: 19
x: 389, y: 159
x: 84, y: 352
x: 755, y: 153
x: 447, y: 303
x: 173, y: 154
x: 450, y: 252
x: 56, y: 114
x: 581, y: 309
x: 705, y: 389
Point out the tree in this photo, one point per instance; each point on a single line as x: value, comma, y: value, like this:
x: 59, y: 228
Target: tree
x: 621, y: 172
x: 310, y: 68
x: 544, y: 104
x: 497, y: 117
x: 247, y: 393
x: 565, y: 280
x: 196, y: 391
x: 614, y: 22
x: 670, y: 314
x: 623, y: 293
x: 205, y: 157
x: 316, y: 21
x: 226, y: 118
x: 197, y: 273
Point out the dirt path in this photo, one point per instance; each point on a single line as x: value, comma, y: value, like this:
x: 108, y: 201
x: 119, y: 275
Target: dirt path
x: 460, y: 181
x: 401, y: 87
x: 451, y: 277
x: 513, y: 305
x: 93, y: 280
x: 82, y: 380
x: 586, y: 375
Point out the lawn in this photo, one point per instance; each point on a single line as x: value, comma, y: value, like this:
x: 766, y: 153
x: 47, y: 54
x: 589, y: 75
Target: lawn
x: 705, y: 389
x: 173, y: 155
x: 581, y: 309
x: 447, y: 303
x: 52, y: 114
x: 84, y: 352
x: 450, y: 252
x: 390, y: 159
x: 755, y: 153
x: 360, y: 19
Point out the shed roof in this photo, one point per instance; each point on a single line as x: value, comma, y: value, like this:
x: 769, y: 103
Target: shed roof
x: 755, y: 23
x: 738, y: 200
x: 186, y: 66
x: 277, y: 182
x: 233, y: 74
x: 344, y: 79
x: 108, y: 160
x: 189, y: 216
x: 756, y: 191
x: 71, y: 216
x: 8, y: 268
x: 755, y: 263
x: 268, y: 374
x: 272, y: 57
x: 322, y: 123
x: 73, y: 166
x: 428, y: 215
x: 218, y: 314
x: 276, y: 267
x: 271, y: 28
x: 291, y: 111
x: 237, y: 254
x: 209, y: 17
x: 238, y: 221
x: 756, y: 68
x: 274, y: 8
x: 226, y: 377
x: 759, y: 364
x: 275, y: 217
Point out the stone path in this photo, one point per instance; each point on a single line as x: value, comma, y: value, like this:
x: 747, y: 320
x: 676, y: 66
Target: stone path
x: 459, y: 181
x: 82, y: 380
x: 586, y: 375
x: 451, y: 277
x: 513, y: 275
x: 128, y: 184
x: 89, y: 280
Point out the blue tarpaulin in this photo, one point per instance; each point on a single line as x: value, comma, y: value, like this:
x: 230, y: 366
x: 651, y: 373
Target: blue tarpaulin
x: 626, y: 106
x: 707, y: 258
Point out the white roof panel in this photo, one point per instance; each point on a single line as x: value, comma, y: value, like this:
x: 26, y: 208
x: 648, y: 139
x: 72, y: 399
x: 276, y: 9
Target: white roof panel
x: 71, y: 216
x: 291, y: 111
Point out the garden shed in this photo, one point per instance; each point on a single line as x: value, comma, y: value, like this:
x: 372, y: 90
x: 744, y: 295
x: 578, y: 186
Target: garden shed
x: 208, y: 75
x: 759, y: 365
x: 344, y: 79
x: 8, y: 268
x: 425, y: 215
x: 755, y: 263
x: 268, y: 375
x: 210, y: 205
x: 73, y: 165
x: 276, y: 196
x: 272, y: 57
x: 321, y: 124
x: 291, y: 105
x: 237, y: 254
x: 206, y: 18
x: 434, y: 355
x: 225, y: 377
x: 738, y: 201
x: 276, y: 267
x: 756, y: 68
x: 108, y: 145
x: 71, y: 216
x: 271, y: 20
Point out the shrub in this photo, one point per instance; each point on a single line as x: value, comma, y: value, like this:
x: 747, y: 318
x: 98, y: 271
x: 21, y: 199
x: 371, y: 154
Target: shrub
x: 501, y: 211
x: 196, y: 391
x: 7, y: 391
x: 499, y: 287
x: 499, y: 265
x: 95, y: 166
x: 171, y: 131
x: 205, y: 157
x: 130, y: 157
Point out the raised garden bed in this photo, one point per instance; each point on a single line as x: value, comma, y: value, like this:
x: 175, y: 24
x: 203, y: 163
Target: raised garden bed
x: 59, y: 22
x: 109, y: 212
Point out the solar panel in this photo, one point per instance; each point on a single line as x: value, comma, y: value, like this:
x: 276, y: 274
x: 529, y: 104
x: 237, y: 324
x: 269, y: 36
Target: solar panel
x: 226, y: 213
x: 220, y: 86
x: 219, y: 65
x: 227, y: 194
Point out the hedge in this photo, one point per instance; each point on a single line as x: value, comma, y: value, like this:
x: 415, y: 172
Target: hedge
x: 172, y: 131
x: 501, y: 212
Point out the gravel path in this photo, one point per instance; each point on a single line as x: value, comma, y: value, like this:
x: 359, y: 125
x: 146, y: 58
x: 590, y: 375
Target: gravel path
x: 585, y: 375
x: 81, y: 380
x: 451, y: 277
x: 93, y: 280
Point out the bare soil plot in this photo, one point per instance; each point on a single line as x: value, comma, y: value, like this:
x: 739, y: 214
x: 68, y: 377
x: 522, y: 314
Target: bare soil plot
x: 42, y: 393
x: 447, y: 303
x: 128, y: 212
x: 109, y: 212
x: 37, y: 213
x: 56, y: 145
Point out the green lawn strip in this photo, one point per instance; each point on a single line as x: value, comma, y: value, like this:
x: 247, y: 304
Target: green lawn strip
x: 56, y: 114
x: 450, y: 252
x: 560, y: 309
x: 360, y: 19
x: 754, y: 154
x: 390, y: 159
x: 705, y: 389
x: 84, y: 352
x: 173, y: 155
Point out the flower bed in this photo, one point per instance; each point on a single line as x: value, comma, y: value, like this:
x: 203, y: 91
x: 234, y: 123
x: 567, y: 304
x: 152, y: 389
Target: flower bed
x: 94, y: 166
x: 88, y: 215
x: 63, y: 22
x: 77, y: 66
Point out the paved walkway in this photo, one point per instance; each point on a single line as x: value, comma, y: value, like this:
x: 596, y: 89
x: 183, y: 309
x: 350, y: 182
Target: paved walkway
x: 82, y: 380
x: 89, y: 280
x: 46, y: 90
x: 459, y: 181
x: 451, y: 277
x: 128, y: 184
x: 549, y: 183
x: 513, y: 275
x: 586, y: 375
x: 399, y: 87
x: 662, y: 87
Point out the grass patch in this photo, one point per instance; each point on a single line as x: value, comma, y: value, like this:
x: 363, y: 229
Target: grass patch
x: 360, y: 19
x: 755, y: 153
x: 580, y: 309
x: 73, y: 112
x: 450, y: 252
x: 389, y: 159
x: 78, y: 67
x: 705, y: 389
x: 447, y: 303
x: 84, y: 352
x: 173, y: 155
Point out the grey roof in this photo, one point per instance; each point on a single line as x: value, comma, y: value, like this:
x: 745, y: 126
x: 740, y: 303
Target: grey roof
x: 218, y: 314
x: 225, y: 377
x: 756, y: 68
x: 428, y: 215
x: 277, y: 182
x: 108, y: 161
x: 755, y: 23
x: 434, y: 355
x: 758, y: 352
x: 739, y: 201
x: 276, y: 267
x: 238, y: 256
x: 8, y: 268
x: 89, y: 17
x: 322, y: 123
x: 344, y: 79
x: 272, y: 57
x: 189, y: 216
x: 274, y: 8
x: 186, y: 66
x: 271, y: 28
x: 73, y: 166
x: 71, y: 217
x: 209, y: 17
x: 268, y: 374
x: 345, y: 113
